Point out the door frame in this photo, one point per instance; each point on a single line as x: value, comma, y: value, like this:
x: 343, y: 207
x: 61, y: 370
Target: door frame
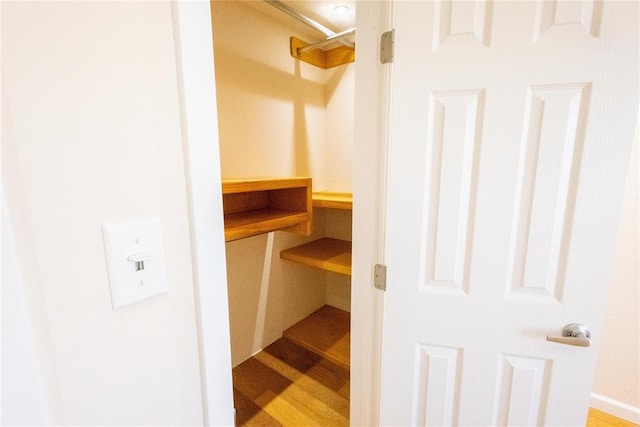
x: 196, y: 88
x: 372, y: 96
x: 199, y: 124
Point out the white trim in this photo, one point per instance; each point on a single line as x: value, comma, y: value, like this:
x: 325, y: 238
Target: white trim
x: 197, y: 92
x: 615, y: 408
x: 369, y: 219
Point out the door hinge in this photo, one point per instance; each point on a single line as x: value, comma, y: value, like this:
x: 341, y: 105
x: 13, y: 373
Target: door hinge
x: 386, y: 47
x: 380, y: 277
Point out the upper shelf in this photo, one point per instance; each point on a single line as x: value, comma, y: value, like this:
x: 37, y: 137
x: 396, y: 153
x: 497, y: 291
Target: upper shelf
x: 321, y: 58
x: 325, y: 199
x: 260, y: 205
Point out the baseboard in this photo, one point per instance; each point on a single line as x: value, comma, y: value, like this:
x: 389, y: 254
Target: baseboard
x: 615, y: 408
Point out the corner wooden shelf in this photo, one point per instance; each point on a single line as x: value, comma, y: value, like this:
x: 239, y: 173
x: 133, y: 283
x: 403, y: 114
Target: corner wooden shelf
x: 325, y: 199
x: 326, y: 253
x: 325, y: 332
x: 321, y: 58
x: 260, y: 205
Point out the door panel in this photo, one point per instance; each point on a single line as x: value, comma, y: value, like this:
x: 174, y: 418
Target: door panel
x: 437, y: 387
x: 522, y: 387
x: 454, y: 140
x: 511, y: 126
x: 555, y: 117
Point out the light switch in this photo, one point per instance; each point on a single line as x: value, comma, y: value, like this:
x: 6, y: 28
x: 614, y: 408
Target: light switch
x: 135, y: 261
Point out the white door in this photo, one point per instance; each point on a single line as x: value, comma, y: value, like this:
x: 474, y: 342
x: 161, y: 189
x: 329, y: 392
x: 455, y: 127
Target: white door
x: 510, y: 132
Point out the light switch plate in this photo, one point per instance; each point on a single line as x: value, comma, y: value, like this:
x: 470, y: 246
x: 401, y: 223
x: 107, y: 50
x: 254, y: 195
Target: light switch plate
x: 126, y: 242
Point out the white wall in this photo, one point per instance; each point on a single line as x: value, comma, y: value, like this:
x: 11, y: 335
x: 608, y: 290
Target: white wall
x: 277, y: 117
x: 91, y: 135
x: 271, y: 107
x: 337, y: 224
x: 617, y: 381
x: 340, y: 103
x: 23, y: 396
x: 338, y: 158
x: 266, y: 295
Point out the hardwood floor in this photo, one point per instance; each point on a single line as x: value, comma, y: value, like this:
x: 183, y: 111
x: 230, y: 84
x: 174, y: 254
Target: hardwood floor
x: 303, y: 378
x: 598, y: 418
x: 300, y: 380
x: 286, y: 384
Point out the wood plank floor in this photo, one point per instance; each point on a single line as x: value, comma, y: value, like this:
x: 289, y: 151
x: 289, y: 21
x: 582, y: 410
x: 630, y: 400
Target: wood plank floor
x: 300, y: 380
x: 287, y: 385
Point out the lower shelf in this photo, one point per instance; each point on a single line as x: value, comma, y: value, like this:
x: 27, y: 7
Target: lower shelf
x: 326, y: 253
x: 325, y: 332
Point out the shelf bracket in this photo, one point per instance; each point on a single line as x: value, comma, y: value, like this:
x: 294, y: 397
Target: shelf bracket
x: 329, y: 40
x: 321, y: 58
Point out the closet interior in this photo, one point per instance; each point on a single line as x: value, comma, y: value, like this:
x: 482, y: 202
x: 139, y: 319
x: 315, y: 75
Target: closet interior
x: 285, y: 113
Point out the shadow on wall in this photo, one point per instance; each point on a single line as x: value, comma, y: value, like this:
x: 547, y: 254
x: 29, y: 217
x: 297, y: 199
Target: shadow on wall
x: 267, y: 295
x: 251, y: 76
x: 269, y: 119
x: 333, y: 82
x: 249, y: 293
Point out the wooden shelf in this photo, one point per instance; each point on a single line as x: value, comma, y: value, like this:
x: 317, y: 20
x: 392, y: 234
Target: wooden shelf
x: 256, y: 206
x: 326, y: 254
x: 321, y: 58
x: 325, y: 199
x: 325, y: 332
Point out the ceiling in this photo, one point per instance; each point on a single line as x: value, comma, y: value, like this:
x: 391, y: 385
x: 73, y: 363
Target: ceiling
x: 324, y: 12
x: 320, y: 11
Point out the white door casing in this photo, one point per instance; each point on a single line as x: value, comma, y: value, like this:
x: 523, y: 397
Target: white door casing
x: 510, y: 132
x: 197, y: 90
